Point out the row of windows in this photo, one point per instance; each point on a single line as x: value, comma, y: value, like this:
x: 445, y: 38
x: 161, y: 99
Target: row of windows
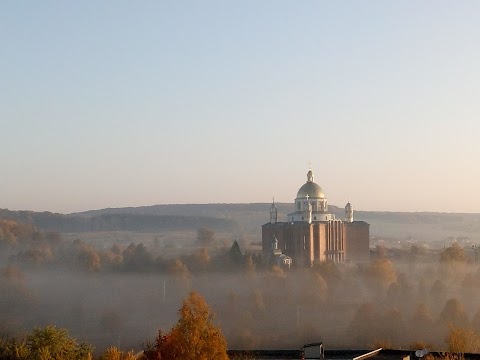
x: 299, y: 206
x: 314, y: 218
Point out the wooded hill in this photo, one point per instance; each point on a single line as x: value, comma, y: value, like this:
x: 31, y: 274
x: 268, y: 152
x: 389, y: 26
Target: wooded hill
x: 248, y: 218
x: 117, y: 222
x: 411, y: 226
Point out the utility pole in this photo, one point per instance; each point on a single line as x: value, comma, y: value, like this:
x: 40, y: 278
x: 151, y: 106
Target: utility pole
x: 298, y: 318
x: 164, y: 290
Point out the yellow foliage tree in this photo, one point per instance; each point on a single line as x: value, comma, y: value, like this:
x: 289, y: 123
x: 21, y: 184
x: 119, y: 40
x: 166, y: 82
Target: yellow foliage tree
x: 463, y: 340
x: 453, y: 313
x: 382, y: 270
x: 194, y: 337
x: 52, y: 343
x: 453, y: 253
x: 113, y: 353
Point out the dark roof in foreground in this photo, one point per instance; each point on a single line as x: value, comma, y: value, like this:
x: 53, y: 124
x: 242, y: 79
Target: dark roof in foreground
x: 340, y: 354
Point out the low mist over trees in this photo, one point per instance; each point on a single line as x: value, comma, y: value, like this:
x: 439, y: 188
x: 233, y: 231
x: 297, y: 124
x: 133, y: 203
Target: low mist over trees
x: 29, y: 247
x: 194, y: 337
x: 205, y: 236
x: 113, y: 295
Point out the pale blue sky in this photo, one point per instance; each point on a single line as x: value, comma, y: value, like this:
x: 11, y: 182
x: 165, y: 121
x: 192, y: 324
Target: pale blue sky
x: 122, y: 103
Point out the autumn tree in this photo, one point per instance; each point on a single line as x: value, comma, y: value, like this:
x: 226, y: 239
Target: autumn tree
x: 178, y: 268
x: 382, y: 270
x: 453, y: 314
x: 137, y: 258
x: 15, y: 298
x: 194, y: 337
x: 112, y: 258
x: 462, y: 340
x: 250, y: 264
x: 13, y: 233
x: 476, y: 321
x: 88, y: 259
x: 379, y: 275
x: 13, y: 349
x: 393, y: 327
x: 316, y: 291
x: 201, y: 260
x: 50, y: 343
x: 328, y: 270
x: 36, y: 255
x: 452, y: 254
x: 363, y: 330
x: 113, y: 353
x: 7, y: 232
x: 55, y: 343
x: 422, y: 325
x: 85, y: 256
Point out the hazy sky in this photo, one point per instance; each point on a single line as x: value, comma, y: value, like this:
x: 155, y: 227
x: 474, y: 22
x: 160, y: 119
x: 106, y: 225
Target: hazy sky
x: 125, y: 103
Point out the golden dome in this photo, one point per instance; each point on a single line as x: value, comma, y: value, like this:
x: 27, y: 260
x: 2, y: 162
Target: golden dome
x: 312, y: 190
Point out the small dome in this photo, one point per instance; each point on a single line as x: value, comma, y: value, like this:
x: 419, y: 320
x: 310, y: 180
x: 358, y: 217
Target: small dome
x: 312, y: 190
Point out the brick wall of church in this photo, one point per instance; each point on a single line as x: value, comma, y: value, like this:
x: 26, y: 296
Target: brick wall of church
x: 357, y: 236
x: 306, y: 243
x: 268, y: 232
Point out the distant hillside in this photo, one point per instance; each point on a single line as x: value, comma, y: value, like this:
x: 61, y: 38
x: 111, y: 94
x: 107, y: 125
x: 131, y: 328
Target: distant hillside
x: 415, y: 226
x: 423, y: 226
x: 215, y: 210
x: 117, y: 222
x: 248, y: 218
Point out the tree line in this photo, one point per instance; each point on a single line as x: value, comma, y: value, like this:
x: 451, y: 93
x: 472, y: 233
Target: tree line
x: 32, y: 247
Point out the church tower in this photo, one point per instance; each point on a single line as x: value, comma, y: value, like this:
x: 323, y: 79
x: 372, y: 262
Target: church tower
x: 273, y: 213
x: 274, y: 243
x: 348, y: 213
x: 308, y: 211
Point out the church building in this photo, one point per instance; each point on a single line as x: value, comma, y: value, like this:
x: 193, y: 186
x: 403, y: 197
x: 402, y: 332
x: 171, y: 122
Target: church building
x: 312, y: 234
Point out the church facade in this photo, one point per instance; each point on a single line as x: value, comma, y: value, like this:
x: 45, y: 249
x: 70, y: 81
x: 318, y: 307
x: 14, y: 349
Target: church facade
x: 311, y: 234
